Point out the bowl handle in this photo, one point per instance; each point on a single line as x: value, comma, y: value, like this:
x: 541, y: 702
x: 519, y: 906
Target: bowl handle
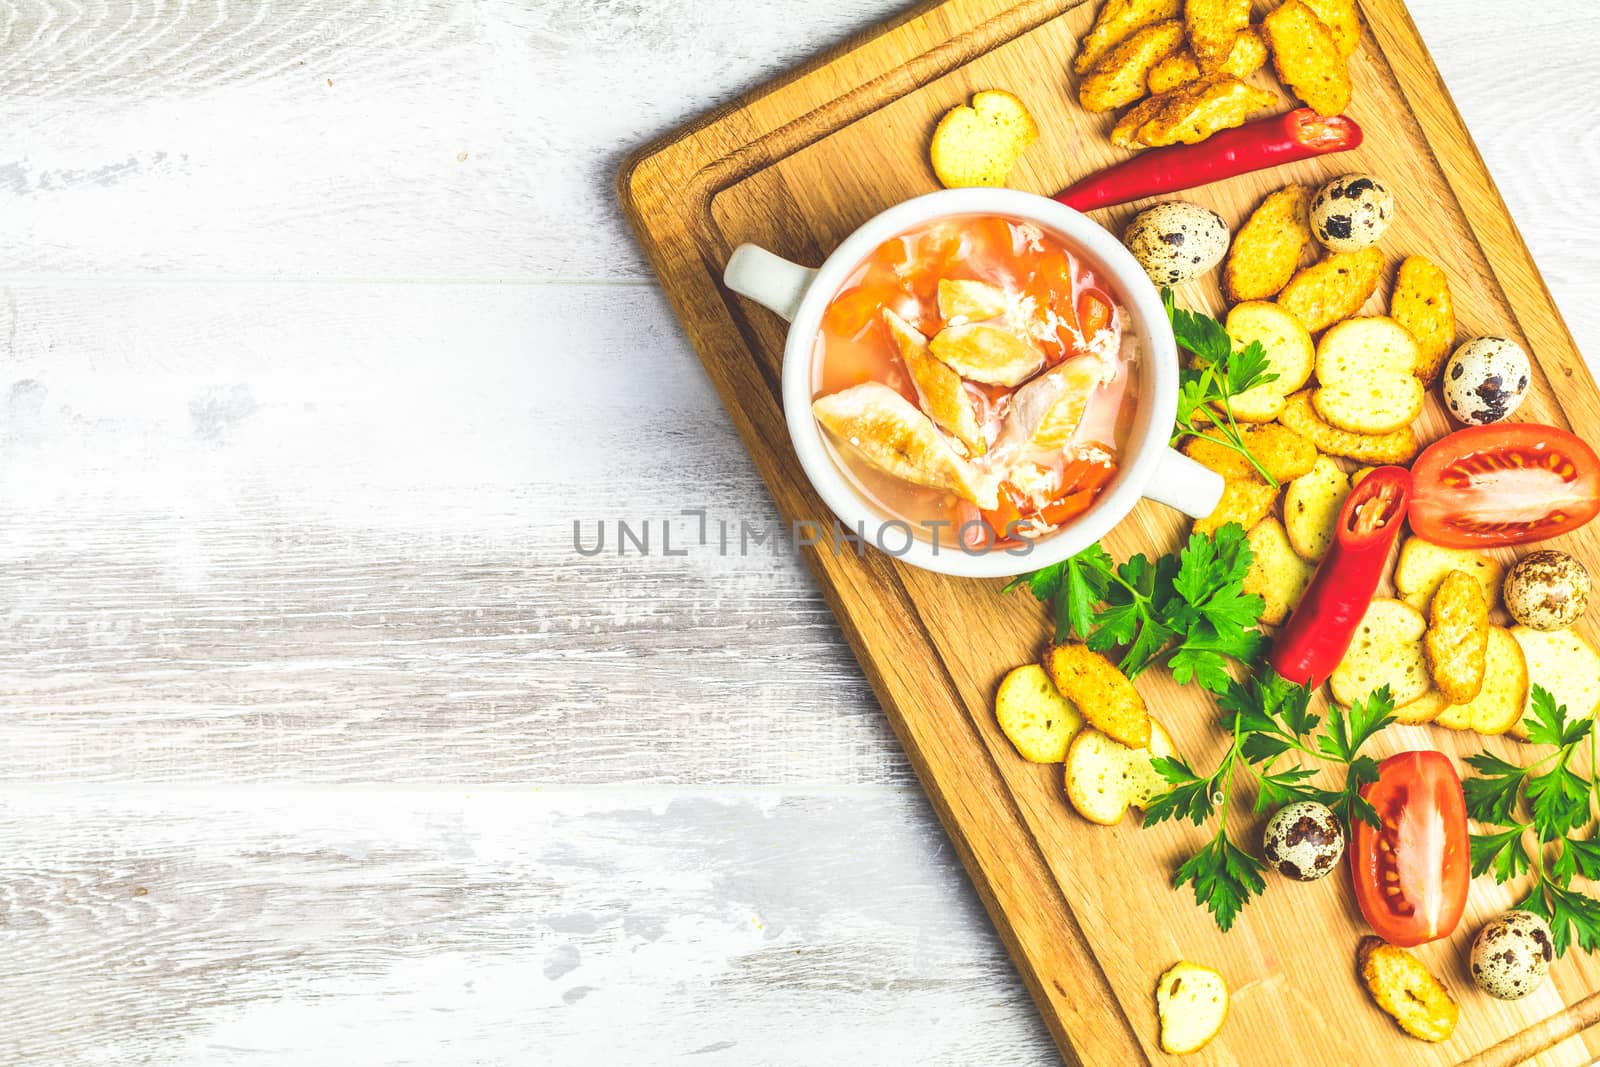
x: 1182, y: 483
x: 768, y: 279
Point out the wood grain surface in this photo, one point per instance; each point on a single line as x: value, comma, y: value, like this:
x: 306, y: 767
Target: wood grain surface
x: 796, y: 169
x: 286, y: 497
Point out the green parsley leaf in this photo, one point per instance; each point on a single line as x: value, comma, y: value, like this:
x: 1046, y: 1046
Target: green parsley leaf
x: 1217, y: 374
x: 1574, y: 917
x: 1585, y: 856
x: 1249, y: 367
x: 1349, y: 803
x: 1187, y: 608
x: 1194, y: 391
x: 1558, y: 800
x: 1203, y: 656
x: 1500, y: 853
x: 1286, y: 787
x: 1189, y: 798
x: 1043, y: 583
x: 1224, y: 877
x: 1492, y: 795
x: 1150, y: 643
x: 1201, y: 334
x: 1088, y: 581
x: 1348, y: 731
x: 1563, y: 867
x: 1074, y: 587
x: 1548, y: 724
x: 1264, y: 747
x: 1270, y: 712
x: 1290, y: 703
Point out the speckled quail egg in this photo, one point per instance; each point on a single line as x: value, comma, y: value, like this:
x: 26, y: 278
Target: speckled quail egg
x: 1351, y: 212
x: 1547, y: 590
x: 1485, y: 380
x: 1303, y: 841
x: 1177, y: 241
x: 1511, y: 955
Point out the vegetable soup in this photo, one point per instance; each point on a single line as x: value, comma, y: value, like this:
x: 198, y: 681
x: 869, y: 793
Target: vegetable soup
x: 971, y: 376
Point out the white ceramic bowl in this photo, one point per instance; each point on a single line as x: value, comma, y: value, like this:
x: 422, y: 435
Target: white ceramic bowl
x: 1148, y: 466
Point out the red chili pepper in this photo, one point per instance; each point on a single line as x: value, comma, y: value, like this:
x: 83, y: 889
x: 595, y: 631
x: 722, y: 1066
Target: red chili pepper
x: 1300, y: 134
x: 1318, y: 634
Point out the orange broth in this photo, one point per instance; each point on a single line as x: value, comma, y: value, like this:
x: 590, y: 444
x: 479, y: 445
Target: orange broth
x: 1054, y: 301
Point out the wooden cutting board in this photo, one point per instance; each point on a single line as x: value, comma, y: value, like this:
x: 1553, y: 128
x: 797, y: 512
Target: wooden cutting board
x: 1086, y: 911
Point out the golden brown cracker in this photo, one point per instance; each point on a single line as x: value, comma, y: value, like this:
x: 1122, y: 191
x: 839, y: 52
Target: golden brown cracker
x: 1457, y: 641
x: 1115, y: 21
x: 1213, y: 27
x: 1267, y: 249
x: 1333, y: 288
x: 1307, y: 57
x: 1122, y: 75
x: 1193, y: 112
x: 1378, y: 449
x: 1107, y: 700
x: 1421, y: 302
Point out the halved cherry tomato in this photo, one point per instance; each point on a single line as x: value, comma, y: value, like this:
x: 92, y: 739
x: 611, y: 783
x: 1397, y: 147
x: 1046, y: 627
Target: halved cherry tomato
x: 1411, y: 874
x: 1504, y: 484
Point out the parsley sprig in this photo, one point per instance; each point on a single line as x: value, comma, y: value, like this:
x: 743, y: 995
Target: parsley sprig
x: 1269, y: 718
x: 1556, y: 799
x: 1217, y: 374
x: 1188, y: 608
x: 1223, y: 875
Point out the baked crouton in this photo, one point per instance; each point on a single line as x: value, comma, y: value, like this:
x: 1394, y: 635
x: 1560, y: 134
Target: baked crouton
x: 1457, y: 642
x: 1103, y: 694
x: 1307, y: 58
x: 1116, y: 20
x: 1267, y: 249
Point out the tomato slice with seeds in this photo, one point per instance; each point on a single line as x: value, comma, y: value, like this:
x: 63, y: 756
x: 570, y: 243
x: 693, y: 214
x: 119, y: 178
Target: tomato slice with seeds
x: 1411, y: 872
x: 1504, y: 484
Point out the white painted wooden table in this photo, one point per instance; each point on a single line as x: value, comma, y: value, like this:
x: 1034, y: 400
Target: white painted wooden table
x: 318, y: 743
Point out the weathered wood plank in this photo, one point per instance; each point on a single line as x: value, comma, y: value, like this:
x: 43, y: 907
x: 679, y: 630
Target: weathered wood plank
x: 1514, y: 73
x: 109, y: 108
x: 435, y: 139
x: 324, y: 533
x: 499, y: 927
